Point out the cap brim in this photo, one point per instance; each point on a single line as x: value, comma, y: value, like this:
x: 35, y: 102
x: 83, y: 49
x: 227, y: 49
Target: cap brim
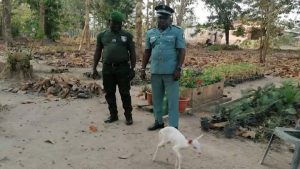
x: 163, y: 11
x: 162, y: 14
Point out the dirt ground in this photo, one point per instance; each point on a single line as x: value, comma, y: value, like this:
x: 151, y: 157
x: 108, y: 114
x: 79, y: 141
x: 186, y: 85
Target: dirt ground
x: 56, y: 135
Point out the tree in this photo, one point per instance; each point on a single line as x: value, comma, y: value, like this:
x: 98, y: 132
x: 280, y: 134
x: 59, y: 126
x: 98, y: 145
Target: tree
x: 147, y: 14
x: 86, y: 30
x: 139, y: 27
x: 42, y: 17
x: 168, y: 2
x: 52, y: 17
x: 73, y: 15
x: 182, y: 7
x: 7, y: 21
x: 154, y: 3
x: 103, y: 8
x: 224, y: 12
x: 266, y: 14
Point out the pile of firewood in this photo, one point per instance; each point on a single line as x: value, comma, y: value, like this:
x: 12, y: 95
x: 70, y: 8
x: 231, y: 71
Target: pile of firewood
x: 57, y: 86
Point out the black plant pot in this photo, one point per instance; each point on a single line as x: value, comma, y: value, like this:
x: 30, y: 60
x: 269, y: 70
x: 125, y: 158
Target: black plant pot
x: 229, y: 131
x: 205, y: 124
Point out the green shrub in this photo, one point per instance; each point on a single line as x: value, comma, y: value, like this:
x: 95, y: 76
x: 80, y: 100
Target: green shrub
x: 218, y: 47
x: 240, y: 31
x: 250, y: 44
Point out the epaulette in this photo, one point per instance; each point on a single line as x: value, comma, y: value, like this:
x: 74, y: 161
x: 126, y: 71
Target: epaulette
x: 103, y: 31
x: 176, y: 26
x: 150, y: 29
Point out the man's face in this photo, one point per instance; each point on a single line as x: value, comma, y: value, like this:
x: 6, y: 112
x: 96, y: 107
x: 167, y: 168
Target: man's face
x: 115, y: 26
x: 163, y: 21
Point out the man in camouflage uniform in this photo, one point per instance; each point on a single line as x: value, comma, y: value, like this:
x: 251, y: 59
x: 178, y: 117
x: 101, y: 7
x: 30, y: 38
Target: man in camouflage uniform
x: 166, y: 47
x: 117, y: 48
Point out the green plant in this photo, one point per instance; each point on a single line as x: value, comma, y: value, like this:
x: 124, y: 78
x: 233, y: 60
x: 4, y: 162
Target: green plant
x: 240, y: 31
x: 23, y: 58
x: 217, y: 47
x: 146, y: 88
x: 265, y: 108
x: 250, y: 44
x: 193, y: 78
x: 12, y: 62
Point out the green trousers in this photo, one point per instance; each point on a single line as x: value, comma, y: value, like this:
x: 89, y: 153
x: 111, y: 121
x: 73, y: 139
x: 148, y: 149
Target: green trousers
x: 164, y: 85
x: 114, y: 76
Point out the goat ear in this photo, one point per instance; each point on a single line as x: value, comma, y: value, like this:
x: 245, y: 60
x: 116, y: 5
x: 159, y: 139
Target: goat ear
x: 199, y: 137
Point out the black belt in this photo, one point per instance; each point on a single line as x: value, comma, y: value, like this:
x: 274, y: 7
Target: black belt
x: 116, y: 64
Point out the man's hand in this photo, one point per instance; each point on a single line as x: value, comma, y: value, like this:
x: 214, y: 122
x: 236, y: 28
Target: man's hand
x: 143, y: 74
x: 177, y: 75
x: 95, y: 74
x: 131, y: 74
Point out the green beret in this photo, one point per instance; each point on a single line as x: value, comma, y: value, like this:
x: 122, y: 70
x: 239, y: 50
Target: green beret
x: 116, y: 16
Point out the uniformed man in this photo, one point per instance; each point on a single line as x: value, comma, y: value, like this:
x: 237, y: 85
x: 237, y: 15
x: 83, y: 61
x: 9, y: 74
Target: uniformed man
x: 117, y: 48
x: 165, y: 45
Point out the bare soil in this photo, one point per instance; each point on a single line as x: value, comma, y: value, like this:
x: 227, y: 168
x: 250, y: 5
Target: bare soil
x: 45, y: 134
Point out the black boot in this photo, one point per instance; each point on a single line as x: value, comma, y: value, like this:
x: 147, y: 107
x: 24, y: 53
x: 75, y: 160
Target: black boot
x: 156, y: 126
x: 111, y: 119
x: 129, y: 120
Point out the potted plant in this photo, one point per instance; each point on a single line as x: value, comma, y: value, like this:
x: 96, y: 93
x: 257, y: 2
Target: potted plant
x: 148, y: 93
x: 205, y: 123
x: 230, y: 130
x: 183, y: 101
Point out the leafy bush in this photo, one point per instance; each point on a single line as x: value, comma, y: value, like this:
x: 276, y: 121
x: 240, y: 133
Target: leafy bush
x: 217, y: 47
x: 240, y: 31
x: 231, y: 47
x: 250, y: 44
x: 264, y: 108
x: 195, y: 78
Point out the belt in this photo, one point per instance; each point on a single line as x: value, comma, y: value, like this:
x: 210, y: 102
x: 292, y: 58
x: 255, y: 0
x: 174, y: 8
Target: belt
x: 116, y: 64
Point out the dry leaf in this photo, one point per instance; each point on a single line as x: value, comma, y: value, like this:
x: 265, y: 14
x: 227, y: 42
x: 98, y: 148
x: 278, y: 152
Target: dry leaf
x: 219, y: 125
x: 249, y: 134
x: 93, y: 129
x: 27, y: 102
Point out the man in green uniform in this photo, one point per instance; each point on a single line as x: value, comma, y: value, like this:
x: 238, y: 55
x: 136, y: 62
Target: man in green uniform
x: 166, y: 47
x: 117, y: 48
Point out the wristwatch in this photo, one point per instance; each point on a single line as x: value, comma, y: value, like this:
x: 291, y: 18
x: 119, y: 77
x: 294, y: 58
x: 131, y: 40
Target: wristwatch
x: 179, y: 68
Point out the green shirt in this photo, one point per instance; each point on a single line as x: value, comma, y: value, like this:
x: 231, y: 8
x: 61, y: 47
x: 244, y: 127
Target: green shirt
x: 116, y: 46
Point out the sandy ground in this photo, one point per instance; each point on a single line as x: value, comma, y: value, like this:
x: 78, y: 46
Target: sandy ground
x: 27, y: 129
x: 56, y: 135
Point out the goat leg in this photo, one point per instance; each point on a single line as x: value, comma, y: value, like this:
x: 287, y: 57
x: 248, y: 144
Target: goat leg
x: 161, y: 143
x: 178, y: 157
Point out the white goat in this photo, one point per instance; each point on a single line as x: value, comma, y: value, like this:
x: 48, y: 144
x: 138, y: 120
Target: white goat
x: 171, y: 134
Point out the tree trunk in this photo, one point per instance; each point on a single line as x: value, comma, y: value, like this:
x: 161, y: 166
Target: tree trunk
x: 1, y: 22
x: 42, y: 17
x: 147, y: 15
x: 264, y: 44
x: 261, y: 47
x: 7, y: 22
x: 153, y: 21
x: 182, y: 10
x: 168, y: 2
x: 139, y: 27
x: 227, y: 28
x: 86, y: 30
